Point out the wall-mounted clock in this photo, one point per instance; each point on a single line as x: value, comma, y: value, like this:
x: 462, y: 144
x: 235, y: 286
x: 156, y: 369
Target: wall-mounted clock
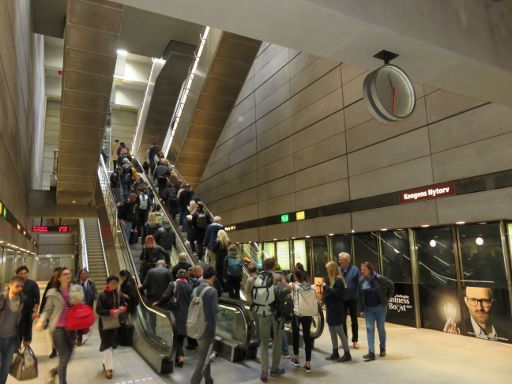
x: 389, y: 93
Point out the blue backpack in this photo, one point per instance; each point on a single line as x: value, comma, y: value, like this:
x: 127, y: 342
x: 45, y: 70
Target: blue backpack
x: 234, y: 267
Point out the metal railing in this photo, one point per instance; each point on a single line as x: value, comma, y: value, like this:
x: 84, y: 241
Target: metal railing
x: 83, y: 245
x: 241, y: 315
x: 154, y: 327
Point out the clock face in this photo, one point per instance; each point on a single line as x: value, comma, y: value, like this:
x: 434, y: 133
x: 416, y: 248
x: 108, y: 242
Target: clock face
x: 389, y: 93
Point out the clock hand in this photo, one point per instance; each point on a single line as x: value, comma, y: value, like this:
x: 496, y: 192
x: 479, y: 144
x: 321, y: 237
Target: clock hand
x: 394, y: 101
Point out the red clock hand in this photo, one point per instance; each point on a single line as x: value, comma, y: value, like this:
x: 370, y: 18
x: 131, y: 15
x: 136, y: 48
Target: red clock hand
x: 394, y: 101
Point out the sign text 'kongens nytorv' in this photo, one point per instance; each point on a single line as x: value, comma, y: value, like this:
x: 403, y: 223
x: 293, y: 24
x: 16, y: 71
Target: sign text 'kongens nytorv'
x: 429, y: 192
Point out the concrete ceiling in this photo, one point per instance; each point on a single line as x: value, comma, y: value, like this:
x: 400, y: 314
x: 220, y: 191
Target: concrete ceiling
x: 230, y: 62
x: 90, y: 45
x: 143, y: 33
x: 461, y: 46
x: 166, y: 92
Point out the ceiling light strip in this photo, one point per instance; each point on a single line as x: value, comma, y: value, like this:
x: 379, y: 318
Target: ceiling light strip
x: 184, y: 92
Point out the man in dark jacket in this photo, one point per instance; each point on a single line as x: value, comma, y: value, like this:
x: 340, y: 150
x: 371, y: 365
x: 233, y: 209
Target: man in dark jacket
x: 153, y: 151
x: 210, y: 238
x: 211, y: 305
x: 156, y: 281
x: 31, y: 291
x: 166, y: 238
x: 126, y: 177
x: 350, y: 295
x: 115, y: 184
x: 15, y: 323
x: 184, y: 197
x: 90, y: 295
x: 162, y: 172
x: 126, y: 213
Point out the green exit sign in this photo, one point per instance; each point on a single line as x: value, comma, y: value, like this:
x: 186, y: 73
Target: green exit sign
x: 285, y: 218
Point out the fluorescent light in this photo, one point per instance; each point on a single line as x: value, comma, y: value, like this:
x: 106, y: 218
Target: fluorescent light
x: 122, y: 52
x: 383, y: 229
x: 160, y: 61
x: 460, y: 222
x: 307, y: 237
x: 353, y: 231
x: 479, y: 240
x: 433, y: 243
x: 331, y: 234
x: 275, y: 239
x: 74, y: 201
x: 425, y: 226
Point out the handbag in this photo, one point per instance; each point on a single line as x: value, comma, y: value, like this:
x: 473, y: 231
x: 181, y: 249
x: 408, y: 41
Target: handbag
x: 24, y: 364
x: 110, y: 322
x: 80, y: 317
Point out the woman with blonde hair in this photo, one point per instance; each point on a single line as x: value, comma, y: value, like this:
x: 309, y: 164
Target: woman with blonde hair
x: 333, y: 297
x: 221, y: 250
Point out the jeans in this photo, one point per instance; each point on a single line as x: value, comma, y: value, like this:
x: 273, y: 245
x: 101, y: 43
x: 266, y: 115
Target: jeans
x: 284, y: 346
x: 64, y: 345
x: 125, y: 184
x: 203, y: 363
x: 127, y: 229
x: 305, y: 322
x: 351, y: 308
x: 266, y: 324
x: 8, y: 346
x: 336, y: 331
x: 372, y: 315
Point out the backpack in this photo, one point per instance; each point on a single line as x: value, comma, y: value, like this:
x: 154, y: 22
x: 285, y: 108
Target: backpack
x: 196, y: 320
x: 143, y: 201
x: 202, y: 221
x: 263, y: 295
x: 284, y: 303
x: 234, y: 267
x: 306, y: 305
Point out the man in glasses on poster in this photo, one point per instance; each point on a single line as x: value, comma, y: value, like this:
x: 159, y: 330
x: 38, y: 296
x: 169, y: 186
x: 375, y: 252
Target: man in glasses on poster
x: 479, y: 302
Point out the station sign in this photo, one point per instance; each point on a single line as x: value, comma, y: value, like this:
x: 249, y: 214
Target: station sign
x: 429, y: 192
x: 50, y: 228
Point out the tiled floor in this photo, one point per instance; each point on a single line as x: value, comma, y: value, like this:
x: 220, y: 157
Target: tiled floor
x: 414, y: 356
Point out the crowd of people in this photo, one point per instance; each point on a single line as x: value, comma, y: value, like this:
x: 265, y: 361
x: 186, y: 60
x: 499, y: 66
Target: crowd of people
x: 188, y: 290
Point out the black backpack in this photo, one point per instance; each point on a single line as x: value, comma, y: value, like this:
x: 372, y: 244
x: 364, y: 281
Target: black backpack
x: 202, y: 220
x: 284, y: 303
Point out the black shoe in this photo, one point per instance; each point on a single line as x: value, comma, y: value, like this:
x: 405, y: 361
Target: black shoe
x: 382, y: 352
x: 307, y: 369
x: 53, y: 354
x: 295, y: 363
x: 179, y: 364
x: 334, y: 355
x: 369, y: 356
x: 346, y: 357
x: 277, y: 372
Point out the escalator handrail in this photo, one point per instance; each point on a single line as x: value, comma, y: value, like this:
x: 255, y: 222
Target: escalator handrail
x: 246, y: 272
x: 163, y: 208
x: 241, y: 305
x: 126, y: 248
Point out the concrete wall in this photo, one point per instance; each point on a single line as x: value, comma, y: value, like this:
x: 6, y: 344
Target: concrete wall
x: 51, y: 140
x: 20, y: 60
x: 300, y: 136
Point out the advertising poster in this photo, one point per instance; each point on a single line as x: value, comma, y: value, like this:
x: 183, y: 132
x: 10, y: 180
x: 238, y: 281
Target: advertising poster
x: 299, y: 253
x: 283, y: 255
x: 401, y: 306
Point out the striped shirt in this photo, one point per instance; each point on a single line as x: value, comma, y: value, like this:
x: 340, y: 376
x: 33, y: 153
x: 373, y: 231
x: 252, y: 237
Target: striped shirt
x: 65, y: 309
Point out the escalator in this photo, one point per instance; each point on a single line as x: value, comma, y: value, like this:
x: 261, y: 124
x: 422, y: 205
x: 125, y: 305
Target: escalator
x: 255, y: 255
x: 236, y: 334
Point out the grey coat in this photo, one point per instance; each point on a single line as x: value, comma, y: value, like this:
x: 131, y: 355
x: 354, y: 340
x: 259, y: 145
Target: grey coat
x: 55, y: 304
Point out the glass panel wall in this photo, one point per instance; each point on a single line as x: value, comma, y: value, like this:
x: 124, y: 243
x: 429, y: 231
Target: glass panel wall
x: 485, y: 296
x: 340, y: 243
x: 440, y: 306
x: 396, y: 265
x: 300, y: 254
x: 320, y: 255
x: 269, y: 250
x: 283, y: 255
x: 366, y: 249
